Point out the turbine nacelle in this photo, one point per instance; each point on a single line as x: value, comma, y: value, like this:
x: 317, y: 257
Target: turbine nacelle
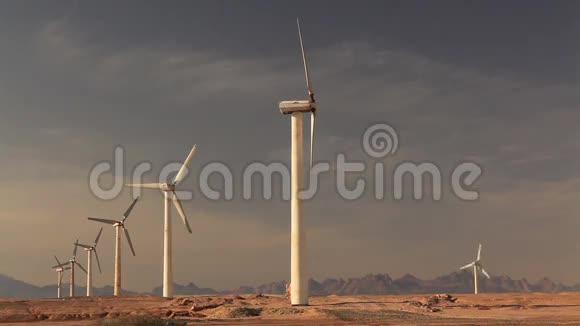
x: 168, y: 187
x: 88, y: 248
x: 304, y: 106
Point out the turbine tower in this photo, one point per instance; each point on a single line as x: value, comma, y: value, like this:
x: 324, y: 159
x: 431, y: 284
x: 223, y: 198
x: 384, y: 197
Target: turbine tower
x: 295, y: 108
x: 118, y: 225
x: 73, y: 262
x: 170, y: 195
x: 60, y: 268
x: 90, y: 250
x: 476, y: 264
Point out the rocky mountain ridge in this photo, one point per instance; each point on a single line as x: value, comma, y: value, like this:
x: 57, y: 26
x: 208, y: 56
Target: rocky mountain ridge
x: 456, y: 282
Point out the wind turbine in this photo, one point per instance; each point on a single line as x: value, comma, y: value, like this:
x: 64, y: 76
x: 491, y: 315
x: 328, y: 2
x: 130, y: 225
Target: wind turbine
x: 118, y: 226
x: 60, y: 268
x: 73, y: 262
x: 476, y: 264
x: 90, y: 250
x: 295, y: 108
x: 170, y: 195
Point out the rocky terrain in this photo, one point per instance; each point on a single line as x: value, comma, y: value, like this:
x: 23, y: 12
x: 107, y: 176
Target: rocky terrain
x: 440, y: 309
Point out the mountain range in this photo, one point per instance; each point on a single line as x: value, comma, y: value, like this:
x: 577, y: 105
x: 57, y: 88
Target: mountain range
x: 456, y: 282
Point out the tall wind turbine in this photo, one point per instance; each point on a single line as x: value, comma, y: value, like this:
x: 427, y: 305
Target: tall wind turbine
x: 170, y: 195
x: 295, y: 108
x: 73, y: 262
x: 476, y: 264
x: 60, y: 268
x: 118, y: 226
x: 90, y: 250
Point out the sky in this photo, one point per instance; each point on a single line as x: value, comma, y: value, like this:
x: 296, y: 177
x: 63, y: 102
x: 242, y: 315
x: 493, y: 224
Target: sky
x: 492, y: 83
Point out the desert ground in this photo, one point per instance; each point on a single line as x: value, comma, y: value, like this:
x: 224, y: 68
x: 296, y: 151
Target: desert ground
x: 437, y: 309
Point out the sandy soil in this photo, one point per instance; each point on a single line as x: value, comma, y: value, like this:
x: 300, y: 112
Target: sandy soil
x: 482, y: 309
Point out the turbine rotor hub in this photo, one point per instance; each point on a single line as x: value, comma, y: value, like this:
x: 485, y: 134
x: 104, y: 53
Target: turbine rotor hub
x: 168, y: 186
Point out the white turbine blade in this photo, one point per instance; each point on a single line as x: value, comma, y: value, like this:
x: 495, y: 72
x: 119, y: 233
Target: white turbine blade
x: 81, y: 267
x: 467, y: 266
x: 145, y: 185
x: 102, y: 220
x: 61, y: 265
x: 129, y: 240
x: 312, y: 124
x: 98, y: 262
x: 177, y: 204
x: 128, y: 211
x: 181, y: 174
x: 308, y: 83
x: 58, y: 263
x: 479, y: 252
x: 484, y: 272
x: 98, y: 236
x: 83, y: 245
x: 66, y: 268
x: 75, y: 250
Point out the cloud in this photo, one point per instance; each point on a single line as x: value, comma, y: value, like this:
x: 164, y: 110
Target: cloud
x: 57, y: 36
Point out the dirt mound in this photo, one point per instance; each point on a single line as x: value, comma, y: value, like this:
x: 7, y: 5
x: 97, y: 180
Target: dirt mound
x: 139, y: 321
x: 235, y: 312
x: 242, y: 312
x: 440, y: 298
x: 210, y: 303
x: 283, y: 311
x: 434, y: 303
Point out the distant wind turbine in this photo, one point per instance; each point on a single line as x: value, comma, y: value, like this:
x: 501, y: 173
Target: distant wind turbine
x: 60, y: 268
x: 73, y: 262
x: 90, y: 250
x: 476, y: 264
x: 170, y: 195
x: 118, y: 226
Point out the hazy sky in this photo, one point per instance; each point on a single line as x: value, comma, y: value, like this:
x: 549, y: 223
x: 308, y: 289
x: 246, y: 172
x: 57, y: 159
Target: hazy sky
x: 492, y: 82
